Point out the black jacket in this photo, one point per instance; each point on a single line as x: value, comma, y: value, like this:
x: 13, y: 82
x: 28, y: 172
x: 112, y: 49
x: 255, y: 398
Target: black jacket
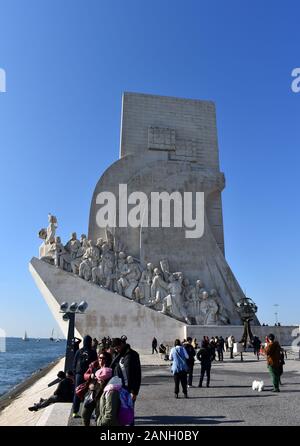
x: 84, y: 356
x: 205, y: 355
x: 191, y: 352
x: 127, y: 366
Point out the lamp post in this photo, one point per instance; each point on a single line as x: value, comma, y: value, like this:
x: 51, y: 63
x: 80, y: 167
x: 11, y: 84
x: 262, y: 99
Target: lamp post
x: 69, y: 315
x: 276, y: 313
x: 246, y: 309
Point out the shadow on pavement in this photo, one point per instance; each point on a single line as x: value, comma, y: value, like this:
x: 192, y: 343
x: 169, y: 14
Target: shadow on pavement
x: 180, y: 420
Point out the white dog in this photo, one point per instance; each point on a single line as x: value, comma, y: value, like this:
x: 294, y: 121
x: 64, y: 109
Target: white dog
x: 258, y: 385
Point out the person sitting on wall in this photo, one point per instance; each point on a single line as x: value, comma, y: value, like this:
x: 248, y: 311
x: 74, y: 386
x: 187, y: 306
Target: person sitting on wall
x: 63, y: 394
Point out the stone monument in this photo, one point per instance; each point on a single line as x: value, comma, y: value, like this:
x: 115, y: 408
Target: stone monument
x: 154, y: 257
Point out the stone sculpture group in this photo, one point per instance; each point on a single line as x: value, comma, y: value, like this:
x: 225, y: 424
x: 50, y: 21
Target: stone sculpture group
x: 105, y: 264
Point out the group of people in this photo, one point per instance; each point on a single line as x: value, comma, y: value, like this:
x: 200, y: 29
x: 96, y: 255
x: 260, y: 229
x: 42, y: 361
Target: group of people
x: 106, y: 375
x: 105, y: 379
x: 183, y: 356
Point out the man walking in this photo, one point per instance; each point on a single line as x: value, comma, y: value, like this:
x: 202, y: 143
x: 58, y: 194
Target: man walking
x: 154, y: 345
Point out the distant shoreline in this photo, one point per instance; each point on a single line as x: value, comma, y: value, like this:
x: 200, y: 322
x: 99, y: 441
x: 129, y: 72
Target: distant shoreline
x: 7, y: 398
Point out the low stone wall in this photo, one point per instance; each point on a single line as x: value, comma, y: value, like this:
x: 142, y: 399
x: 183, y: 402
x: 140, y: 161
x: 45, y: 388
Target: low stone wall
x: 284, y: 334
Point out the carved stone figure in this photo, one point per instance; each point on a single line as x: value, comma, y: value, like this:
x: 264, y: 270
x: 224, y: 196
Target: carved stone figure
x: 121, y: 267
x: 129, y: 278
x: 59, y: 250
x: 159, y: 290
x: 222, y: 314
x: 48, y: 235
x: 70, y: 254
x: 164, y: 265
x: 143, y: 290
x: 173, y: 303
x: 208, y: 310
x: 76, y: 262
x: 89, y: 260
x: 51, y: 228
x: 99, y: 244
x: 73, y: 245
x: 103, y: 274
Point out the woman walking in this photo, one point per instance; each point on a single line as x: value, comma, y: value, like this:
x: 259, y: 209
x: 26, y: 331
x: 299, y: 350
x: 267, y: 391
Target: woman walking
x: 179, y: 368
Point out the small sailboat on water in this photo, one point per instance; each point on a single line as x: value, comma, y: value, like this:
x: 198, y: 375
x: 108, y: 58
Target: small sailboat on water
x: 51, y: 337
x: 25, y: 337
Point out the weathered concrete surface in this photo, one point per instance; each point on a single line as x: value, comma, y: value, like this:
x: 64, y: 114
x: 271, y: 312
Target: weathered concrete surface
x: 108, y: 314
x: 17, y: 413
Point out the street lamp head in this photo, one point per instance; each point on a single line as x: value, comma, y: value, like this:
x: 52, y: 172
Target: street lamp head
x: 82, y: 306
x: 65, y: 317
x: 246, y: 308
x: 73, y: 307
x: 64, y: 306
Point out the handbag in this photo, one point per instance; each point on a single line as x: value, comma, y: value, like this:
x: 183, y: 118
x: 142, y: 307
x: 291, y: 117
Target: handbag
x: 89, y: 400
x: 81, y: 390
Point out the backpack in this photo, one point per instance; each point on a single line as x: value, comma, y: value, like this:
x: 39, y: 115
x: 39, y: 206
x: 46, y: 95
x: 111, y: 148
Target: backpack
x: 126, y: 411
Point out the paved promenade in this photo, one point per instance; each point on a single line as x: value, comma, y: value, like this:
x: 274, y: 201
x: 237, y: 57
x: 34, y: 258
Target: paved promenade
x: 229, y: 401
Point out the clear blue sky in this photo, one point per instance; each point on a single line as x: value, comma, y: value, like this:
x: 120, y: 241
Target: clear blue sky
x: 67, y: 64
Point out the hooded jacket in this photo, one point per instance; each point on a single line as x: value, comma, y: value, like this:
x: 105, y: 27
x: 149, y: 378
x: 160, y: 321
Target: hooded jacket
x: 84, y: 356
x: 127, y: 366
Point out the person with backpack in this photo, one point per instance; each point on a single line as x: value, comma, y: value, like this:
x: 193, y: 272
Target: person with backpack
x: 179, y: 368
x: 116, y: 405
x: 126, y: 365
x: 191, y: 361
x: 83, y: 358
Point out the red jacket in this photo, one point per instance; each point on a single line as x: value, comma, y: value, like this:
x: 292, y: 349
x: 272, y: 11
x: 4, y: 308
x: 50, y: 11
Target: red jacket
x: 93, y: 367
